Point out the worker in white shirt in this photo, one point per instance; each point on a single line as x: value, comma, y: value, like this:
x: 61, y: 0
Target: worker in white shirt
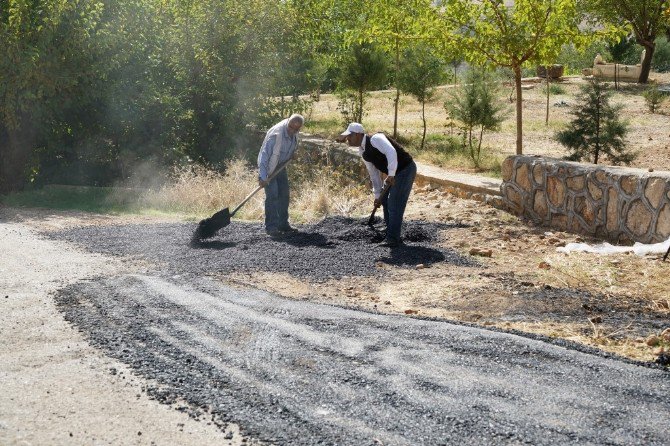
x: 384, y: 156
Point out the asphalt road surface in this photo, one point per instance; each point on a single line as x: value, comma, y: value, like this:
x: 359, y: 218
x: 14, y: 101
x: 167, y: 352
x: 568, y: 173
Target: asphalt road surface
x: 293, y: 372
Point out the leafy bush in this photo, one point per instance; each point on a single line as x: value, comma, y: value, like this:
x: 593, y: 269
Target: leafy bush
x: 365, y: 68
x: 349, y: 106
x: 575, y: 60
x: 661, y: 60
x: 554, y: 88
x: 626, y: 51
x: 269, y: 111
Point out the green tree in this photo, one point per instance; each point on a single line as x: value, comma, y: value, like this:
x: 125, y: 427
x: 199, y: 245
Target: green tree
x: 421, y: 71
x: 645, y: 18
x: 476, y: 106
x: 42, y: 66
x: 653, y: 97
x: 495, y: 32
x: 596, y: 129
x: 394, y: 27
x: 365, y: 69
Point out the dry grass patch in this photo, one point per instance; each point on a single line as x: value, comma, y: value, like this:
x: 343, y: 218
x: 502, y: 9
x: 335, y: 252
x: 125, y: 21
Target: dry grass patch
x: 199, y: 191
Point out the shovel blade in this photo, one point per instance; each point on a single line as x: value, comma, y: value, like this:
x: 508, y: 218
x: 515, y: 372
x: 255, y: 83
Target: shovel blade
x: 210, y: 226
x: 371, y: 220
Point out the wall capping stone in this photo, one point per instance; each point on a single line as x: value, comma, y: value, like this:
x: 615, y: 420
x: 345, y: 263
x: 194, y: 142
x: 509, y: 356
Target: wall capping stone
x: 620, y: 204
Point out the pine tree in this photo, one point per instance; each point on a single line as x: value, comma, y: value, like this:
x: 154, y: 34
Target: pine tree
x: 476, y: 106
x: 596, y: 129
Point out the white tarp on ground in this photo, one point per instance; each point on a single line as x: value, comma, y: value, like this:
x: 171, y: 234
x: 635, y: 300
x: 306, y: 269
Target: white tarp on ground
x: 605, y: 248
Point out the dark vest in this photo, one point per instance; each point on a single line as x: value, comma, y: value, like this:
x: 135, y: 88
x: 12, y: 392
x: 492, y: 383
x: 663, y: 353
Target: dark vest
x: 374, y: 156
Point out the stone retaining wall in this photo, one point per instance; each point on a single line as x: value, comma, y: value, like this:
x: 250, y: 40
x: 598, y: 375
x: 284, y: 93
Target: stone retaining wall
x: 619, y: 204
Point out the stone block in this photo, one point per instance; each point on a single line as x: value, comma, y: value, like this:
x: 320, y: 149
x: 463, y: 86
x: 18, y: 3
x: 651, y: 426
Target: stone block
x: 507, y: 168
x: 595, y: 191
x: 628, y: 73
x: 585, y: 210
x: 538, y: 173
x: 556, y: 192
x: 577, y: 226
x: 559, y: 221
x: 601, y: 176
x: 513, y: 198
x: 576, y: 183
x: 629, y: 184
x: 654, y: 191
x: 612, y: 216
x: 609, y: 202
x: 540, y: 204
x: 638, y: 218
x: 663, y: 223
x: 523, y: 178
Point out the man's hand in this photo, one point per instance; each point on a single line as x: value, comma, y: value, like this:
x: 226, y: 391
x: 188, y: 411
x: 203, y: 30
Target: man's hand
x: 390, y: 180
x: 378, y: 202
x: 262, y: 183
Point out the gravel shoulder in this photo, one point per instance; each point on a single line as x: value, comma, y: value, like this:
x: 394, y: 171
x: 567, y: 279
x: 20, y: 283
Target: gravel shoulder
x: 56, y: 388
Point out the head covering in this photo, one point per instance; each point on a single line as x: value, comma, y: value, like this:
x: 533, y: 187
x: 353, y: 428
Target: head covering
x: 354, y: 127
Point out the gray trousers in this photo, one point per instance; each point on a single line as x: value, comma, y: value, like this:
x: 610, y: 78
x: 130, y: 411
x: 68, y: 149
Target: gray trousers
x: 276, y: 203
x: 396, y: 201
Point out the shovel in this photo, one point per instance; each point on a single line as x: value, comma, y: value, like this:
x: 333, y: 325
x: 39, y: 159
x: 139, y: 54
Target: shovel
x: 210, y: 226
x: 666, y: 254
x: 383, y: 194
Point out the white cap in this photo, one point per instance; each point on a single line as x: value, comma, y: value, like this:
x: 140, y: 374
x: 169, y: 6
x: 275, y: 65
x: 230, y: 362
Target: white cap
x: 354, y: 127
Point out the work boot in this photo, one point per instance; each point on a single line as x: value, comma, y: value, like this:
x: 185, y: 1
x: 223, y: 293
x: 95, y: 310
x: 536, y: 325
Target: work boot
x: 391, y: 243
x: 273, y: 232
x: 288, y: 230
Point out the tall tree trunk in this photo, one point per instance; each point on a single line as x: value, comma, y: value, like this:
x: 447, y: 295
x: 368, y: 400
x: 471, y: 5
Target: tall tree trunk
x: 519, y: 110
x: 546, y: 118
x: 649, y: 47
x: 423, y: 117
x: 396, y: 101
x: 479, y: 146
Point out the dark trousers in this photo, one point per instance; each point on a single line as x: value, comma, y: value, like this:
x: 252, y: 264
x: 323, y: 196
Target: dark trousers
x: 396, y: 201
x: 276, y: 202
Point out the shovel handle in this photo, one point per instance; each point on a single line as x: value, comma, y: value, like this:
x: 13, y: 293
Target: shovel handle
x: 384, y: 192
x: 274, y: 174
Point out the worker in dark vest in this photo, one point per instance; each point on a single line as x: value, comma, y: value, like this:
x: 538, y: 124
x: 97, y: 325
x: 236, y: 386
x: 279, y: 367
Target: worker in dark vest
x: 382, y: 155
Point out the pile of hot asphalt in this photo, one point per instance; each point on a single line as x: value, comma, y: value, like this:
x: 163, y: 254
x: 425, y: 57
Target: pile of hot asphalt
x: 333, y: 248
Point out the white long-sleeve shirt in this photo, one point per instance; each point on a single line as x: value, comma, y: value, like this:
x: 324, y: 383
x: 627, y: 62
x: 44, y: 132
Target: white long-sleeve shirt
x: 381, y: 143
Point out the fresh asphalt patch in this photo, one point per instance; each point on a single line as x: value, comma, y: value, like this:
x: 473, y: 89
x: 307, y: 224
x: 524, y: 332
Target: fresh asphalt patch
x: 333, y: 248
x: 300, y: 373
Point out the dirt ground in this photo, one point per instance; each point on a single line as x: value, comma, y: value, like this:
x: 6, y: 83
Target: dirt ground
x: 614, y: 302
